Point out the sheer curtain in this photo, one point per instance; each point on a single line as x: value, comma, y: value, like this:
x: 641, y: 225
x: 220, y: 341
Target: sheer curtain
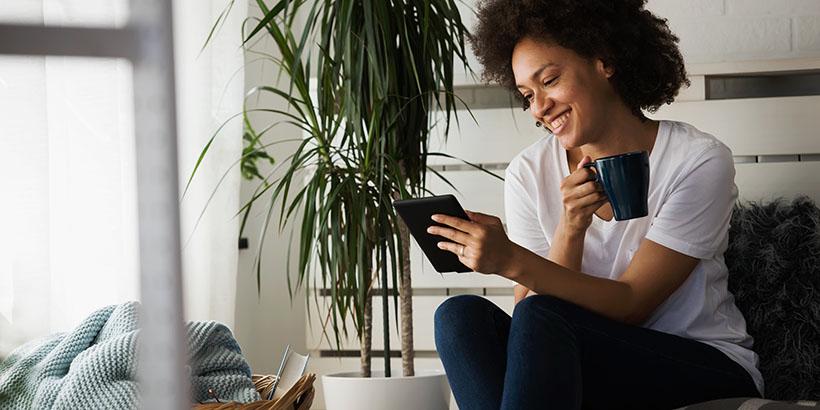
x: 68, y: 242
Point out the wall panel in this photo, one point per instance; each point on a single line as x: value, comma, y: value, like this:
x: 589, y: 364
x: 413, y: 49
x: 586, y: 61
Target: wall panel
x: 755, y: 126
x: 765, y: 181
x: 495, y: 136
x: 424, y: 308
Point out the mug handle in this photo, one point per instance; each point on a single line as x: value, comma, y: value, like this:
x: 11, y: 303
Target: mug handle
x: 595, y: 173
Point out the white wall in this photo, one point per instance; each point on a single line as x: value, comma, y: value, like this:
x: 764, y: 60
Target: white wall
x: 732, y: 30
x: 266, y: 323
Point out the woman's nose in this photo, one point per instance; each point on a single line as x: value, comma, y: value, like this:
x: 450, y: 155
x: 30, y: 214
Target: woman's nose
x: 540, y: 105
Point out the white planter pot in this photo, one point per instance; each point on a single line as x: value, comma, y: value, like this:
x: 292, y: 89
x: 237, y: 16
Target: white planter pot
x: 427, y: 390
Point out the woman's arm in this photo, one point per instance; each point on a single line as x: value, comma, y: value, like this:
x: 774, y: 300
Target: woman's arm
x: 580, y: 198
x: 567, y: 250
x: 654, y: 273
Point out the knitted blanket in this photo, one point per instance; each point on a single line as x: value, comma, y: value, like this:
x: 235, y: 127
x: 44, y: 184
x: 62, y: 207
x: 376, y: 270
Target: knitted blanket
x: 94, y: 365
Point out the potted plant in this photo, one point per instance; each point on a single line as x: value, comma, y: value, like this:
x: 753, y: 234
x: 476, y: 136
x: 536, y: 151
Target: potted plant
x: 366, y: 78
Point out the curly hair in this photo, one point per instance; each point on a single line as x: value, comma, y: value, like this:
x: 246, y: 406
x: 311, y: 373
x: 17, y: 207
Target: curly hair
x: 643, y: 52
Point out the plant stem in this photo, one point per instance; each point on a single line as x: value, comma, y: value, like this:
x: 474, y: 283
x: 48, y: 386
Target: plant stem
x: 385, y: 313
x: 365, y: 345
x: 408, y: 354
x: 406, y: 295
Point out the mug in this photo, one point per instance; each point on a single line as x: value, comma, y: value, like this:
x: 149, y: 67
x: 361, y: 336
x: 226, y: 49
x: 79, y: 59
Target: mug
x: 625, y: 179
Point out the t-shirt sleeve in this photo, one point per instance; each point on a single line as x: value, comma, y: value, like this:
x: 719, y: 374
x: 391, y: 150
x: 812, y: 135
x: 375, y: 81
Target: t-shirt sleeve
x: 694, y: 218
x: 523, y: 225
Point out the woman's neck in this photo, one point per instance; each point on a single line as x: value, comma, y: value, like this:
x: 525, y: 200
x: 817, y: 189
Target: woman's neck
x: 623, y: 132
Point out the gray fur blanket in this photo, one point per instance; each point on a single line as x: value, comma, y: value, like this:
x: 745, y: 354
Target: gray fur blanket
x: 774, y: 273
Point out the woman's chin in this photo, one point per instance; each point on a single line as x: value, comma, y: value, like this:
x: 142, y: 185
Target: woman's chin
x: 568, y: 141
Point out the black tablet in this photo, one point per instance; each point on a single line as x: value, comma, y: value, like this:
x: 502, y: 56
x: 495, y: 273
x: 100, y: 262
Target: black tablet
x: 416, y: 214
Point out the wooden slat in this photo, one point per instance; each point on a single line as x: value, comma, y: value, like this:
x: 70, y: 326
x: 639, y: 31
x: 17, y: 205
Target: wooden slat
x: 425, y: 276
x: 755, y: 126
x: 756, y: 66
x: 696, y: 90
x: 479, y: 192
x: 765, y: 181
x: 424, y: 308
x: 496, y: 136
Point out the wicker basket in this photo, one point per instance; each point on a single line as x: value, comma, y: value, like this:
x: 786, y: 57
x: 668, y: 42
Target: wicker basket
x: 299, y: 397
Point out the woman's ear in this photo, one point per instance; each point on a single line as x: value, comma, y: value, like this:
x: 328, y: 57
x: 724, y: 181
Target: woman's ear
x: 603, y: 68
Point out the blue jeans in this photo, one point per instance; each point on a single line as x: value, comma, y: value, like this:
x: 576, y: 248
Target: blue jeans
x: 552, y: 354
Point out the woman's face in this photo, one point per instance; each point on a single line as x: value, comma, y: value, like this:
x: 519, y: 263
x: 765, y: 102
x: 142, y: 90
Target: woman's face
x: 568, y: 94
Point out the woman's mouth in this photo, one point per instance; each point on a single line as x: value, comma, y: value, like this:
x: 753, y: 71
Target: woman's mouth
x: 558, y: 124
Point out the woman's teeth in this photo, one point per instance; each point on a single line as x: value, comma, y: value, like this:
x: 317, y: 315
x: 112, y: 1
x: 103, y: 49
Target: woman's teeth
x: 555, y: 124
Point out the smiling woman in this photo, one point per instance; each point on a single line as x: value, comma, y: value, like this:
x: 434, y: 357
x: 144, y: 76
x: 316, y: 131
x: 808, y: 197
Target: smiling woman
x: 624, y: 314
x: 636, y: 44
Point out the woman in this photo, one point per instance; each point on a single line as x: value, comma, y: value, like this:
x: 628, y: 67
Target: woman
x: 626, y: 314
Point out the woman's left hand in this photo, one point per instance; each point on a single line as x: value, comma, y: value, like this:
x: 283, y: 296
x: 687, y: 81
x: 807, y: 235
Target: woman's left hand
x: 480, y: 243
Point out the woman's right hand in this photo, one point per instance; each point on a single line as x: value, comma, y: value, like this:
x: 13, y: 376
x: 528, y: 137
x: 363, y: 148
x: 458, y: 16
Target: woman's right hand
x: 581, y: 197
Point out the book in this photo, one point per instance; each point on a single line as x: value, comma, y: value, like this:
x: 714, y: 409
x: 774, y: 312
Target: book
x: 291, y: 369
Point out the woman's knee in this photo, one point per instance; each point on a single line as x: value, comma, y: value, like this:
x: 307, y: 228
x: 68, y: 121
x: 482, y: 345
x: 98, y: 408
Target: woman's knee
x: 543, y: 322
x: 460, y: 313
x: 542, y: 306
x: 458, y: 308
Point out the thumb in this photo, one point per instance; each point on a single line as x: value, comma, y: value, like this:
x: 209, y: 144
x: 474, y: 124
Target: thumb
x: 585, y: 160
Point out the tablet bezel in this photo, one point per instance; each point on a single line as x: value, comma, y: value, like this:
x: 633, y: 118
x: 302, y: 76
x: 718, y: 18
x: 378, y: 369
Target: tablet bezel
x: 416, y: 213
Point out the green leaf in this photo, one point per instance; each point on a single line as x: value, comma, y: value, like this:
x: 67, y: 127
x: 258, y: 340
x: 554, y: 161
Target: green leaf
x: 382, y: 70
x: 220, y: 21
x: 269, y: 16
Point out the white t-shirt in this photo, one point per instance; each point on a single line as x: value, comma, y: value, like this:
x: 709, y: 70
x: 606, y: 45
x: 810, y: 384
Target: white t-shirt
x: 691, y: 194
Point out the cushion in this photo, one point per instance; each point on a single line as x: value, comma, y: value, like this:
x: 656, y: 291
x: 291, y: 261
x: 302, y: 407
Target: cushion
x: 774, y: 272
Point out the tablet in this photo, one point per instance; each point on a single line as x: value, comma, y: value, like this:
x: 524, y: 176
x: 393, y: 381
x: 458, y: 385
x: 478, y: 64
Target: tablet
x: 416, y: 214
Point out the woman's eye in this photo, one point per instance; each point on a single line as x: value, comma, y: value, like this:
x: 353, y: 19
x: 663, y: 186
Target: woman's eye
x: 550, y: 81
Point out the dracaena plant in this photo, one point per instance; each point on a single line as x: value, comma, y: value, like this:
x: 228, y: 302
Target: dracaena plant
x: 367, y: 79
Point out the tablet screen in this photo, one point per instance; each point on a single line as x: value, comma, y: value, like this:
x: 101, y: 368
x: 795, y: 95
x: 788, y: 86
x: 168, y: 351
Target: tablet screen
x: 416, y: 214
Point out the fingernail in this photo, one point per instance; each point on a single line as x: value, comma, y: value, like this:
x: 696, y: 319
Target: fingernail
x: 435, y: 217
x: 430, y: 230
x: 440, y: 245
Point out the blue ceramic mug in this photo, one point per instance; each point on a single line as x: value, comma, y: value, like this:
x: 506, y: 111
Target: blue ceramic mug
x: 625, y: 179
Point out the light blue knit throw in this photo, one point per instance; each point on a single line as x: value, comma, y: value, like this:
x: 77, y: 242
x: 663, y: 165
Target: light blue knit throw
x: 94, y: 366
